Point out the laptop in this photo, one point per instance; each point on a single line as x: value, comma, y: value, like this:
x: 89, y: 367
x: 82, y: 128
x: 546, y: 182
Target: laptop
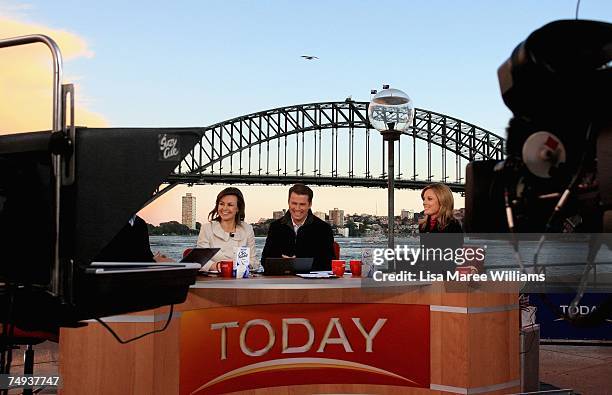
x: 200, y: 255
x: 286, y: 266
x: 195, y: 258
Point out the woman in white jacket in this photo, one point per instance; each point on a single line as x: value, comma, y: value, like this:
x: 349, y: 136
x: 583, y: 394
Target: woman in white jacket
x: 227, y: 230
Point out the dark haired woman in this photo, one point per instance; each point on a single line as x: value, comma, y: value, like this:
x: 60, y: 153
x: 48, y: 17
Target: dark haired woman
x: 227, y: 230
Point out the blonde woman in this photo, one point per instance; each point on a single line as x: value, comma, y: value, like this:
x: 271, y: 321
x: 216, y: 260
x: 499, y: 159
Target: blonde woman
x: 227, y: 230
x: 438, y: 208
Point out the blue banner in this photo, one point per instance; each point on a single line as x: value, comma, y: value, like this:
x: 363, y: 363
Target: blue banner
x: 553, y: 327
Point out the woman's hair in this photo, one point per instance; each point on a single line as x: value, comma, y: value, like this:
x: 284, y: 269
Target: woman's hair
x: 214, y: 215
x: 446, y: 201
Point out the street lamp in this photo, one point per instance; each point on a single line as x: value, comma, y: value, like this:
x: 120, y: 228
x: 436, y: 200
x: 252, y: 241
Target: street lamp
x: 391, y: 112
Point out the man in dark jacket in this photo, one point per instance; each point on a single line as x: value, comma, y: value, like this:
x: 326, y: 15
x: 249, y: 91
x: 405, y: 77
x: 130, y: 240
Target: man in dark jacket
x: 131, y: 244
x: 299, y: 233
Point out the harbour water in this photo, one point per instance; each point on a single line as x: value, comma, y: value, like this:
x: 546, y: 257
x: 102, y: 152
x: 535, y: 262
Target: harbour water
x: 350, y: 247
x: 561, y: 258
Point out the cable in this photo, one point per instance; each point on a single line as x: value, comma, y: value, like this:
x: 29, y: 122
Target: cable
x: 11, y: 333
x: 528, y: 348
x: 597, y: 315
x: 7, y: 332
x: 112, y: 332
x: 2, y: 351
x: 558, y: 207
x: 9, y: 358
x: 510, y: 221
x: 577, y: 8
x: 564, y: 197
x: 594, y: 246
x: 537, y: 253
x: 572, y: 184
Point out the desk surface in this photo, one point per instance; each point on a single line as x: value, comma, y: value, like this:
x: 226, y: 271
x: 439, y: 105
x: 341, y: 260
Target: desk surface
x: 294, y: 282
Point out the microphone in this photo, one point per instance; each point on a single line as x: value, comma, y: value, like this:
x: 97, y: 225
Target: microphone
x: 231, y: 234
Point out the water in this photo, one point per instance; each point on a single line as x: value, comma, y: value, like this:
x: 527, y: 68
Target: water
x: 350, y: 247
x: 498, y: 253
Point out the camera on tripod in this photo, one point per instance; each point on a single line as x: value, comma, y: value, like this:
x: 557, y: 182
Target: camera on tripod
x: 557, y: 175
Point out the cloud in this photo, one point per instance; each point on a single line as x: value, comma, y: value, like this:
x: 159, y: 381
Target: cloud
x: 26, y: 79
x: 14, y: 9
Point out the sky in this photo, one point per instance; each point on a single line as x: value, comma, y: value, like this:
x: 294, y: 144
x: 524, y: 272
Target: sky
x: 195, y: 63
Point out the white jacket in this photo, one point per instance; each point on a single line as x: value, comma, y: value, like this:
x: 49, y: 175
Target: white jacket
x: 212, y: 235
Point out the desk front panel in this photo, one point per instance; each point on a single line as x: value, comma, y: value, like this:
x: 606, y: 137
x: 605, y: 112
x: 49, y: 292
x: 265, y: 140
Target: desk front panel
x: 432, y: 342
x: 258, y: 346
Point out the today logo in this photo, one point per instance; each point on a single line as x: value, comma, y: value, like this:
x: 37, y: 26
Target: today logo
x: 286, y: 329
x: 285, y: 344
x: 582, y: 309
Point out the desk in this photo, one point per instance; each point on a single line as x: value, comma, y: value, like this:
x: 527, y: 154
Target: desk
x: 289, y: 335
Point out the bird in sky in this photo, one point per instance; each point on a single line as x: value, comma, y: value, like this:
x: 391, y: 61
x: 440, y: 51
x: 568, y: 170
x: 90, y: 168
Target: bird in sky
x: 309, y: 57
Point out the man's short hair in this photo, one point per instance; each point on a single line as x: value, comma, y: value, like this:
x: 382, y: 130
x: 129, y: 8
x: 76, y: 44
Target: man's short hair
x: 301, y: 189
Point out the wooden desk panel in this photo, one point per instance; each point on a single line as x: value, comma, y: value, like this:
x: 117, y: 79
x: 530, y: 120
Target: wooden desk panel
x: 474, y: 339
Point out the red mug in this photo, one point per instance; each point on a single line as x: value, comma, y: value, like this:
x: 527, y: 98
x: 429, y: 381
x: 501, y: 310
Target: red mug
x: 227, y: 268
x: 355, y: 268
x: 338, y: 267
x: 466, y: 269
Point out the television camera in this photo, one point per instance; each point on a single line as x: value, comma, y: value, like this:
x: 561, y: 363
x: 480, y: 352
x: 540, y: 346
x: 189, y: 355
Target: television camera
x: 557, y: 176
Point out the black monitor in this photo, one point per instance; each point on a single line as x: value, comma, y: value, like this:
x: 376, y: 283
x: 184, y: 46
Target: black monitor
x: 117, y: 170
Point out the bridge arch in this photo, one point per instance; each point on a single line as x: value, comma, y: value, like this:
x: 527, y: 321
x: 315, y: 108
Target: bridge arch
x: 244, y: 138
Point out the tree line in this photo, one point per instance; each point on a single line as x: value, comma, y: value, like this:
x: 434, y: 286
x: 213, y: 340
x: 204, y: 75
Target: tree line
x: 172, y: 228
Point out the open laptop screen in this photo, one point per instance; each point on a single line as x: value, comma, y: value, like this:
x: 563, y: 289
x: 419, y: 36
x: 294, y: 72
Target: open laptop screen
x: 286, y: 266
x: 200, y: 255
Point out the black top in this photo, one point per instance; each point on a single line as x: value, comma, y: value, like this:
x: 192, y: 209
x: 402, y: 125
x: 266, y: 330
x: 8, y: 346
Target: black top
x: 453, y: 226
x: 131, y: 244
x: 450, y: 237
x: 314, y: 239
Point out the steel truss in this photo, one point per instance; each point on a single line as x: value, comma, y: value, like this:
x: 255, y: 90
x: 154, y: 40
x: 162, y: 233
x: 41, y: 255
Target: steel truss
x: 317, y: 144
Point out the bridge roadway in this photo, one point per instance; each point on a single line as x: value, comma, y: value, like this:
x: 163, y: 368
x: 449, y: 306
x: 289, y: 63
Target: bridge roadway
x: 305, y: 179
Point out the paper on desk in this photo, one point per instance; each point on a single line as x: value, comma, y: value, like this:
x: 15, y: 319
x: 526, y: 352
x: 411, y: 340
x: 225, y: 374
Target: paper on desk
x: 316, y: 275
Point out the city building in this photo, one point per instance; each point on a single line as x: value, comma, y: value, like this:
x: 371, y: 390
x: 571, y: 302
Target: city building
x: 189, y: 211
x: 343, y: 232
x: 278, y: 214
x: 320, y: 214
x: 407, y: 214
x: 336, y: 217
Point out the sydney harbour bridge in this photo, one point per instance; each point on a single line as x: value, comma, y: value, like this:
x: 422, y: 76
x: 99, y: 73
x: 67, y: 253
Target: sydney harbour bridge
x: 333, y: 144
